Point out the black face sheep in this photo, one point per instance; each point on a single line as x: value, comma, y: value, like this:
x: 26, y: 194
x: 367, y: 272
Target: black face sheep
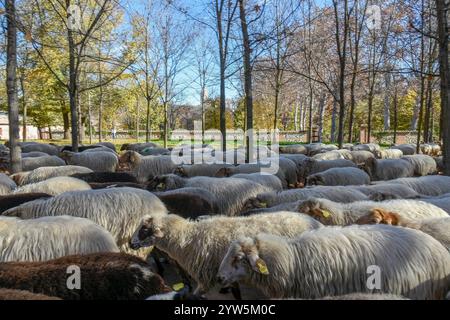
x: 103, y: 276
x: 388, y: 169
x: 423, y: 165
x: 189, y: 202
x: 199, y: 170
x: 231, y: 194
x: 146, y: 168
x: 199, y: 246
x: 118, y: 210
x: 18, y: 295
x: 105, y: 177
x: 51, y: 237
x: 272, y: 199
x: 428, y: 185
x: 45, y: 173
x: 96, y: 161
x: 29, y: 164
x: 334, y: 213
x: 54, y: 186
x: 15, y: 200
x: 336, y: 261
x: 339, y: 177
x: 438, y: 228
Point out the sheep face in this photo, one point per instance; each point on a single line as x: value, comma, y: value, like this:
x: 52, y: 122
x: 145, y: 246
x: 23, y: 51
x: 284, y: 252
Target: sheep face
x: 66, y: 156
x: 369, y: 166
x: 241, y: 260
x: 180, y: 171
x: 315, y: 180
x: 223, y: 173
x: 315, y: 209
x: 147, y: 234
x: 254, y: 203
x: 379, y: 216
x: 159, y: 183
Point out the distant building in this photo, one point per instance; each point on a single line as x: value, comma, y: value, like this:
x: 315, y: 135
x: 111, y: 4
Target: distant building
x: 32, y: 132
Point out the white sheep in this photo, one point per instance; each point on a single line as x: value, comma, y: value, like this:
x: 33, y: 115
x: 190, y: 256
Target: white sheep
x: 442, y: 202
x: 438, y: 228
x: 146, y: 168
x: 45, y: 173
x: 359, y: 157
x: 100, y: 161
x: 388, y: 169
x: 29, y: 164
x: 118, y: 210
x: 199, y: 246
x: 334, y: 213
x: 340, y: 260
x: 339, y: 177
x: 6, y: 184
x: 389, y: 154
x: 428, y: 185
x: 329, y: 155
x: 55, y: 186
x: 294, y: 149
x: 51, y: 237
x: 371, y: 147
x: 231, y: 193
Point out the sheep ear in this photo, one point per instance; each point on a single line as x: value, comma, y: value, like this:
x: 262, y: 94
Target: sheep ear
x: 158, y: 233
x: 258, y: 264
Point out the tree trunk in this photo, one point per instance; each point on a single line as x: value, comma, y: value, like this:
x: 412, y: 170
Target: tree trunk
x: 66, y: 121
x: 395, y: 115
x: 24, y: 110
x: 90, y: 118
x: 387, y: 102
x: 444, y: 72
x: 321, y: 115
x: 247, y: 81
x: 11, y: 87
x: 100, y: 113
x: 333, y: 121
x: 369, y: 117
x: 73, y: 89
x: 429, y: 102
x: 310, y: 113
x: 50, y: 133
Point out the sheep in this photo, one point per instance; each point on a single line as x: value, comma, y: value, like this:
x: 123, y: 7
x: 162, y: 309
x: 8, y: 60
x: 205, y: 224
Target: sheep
x: 268, y: 180
x: 199, y: 246
x: 29, y: 164
x: 199, y: 170
x: 335, y: 261
x: 407, y: 149
x: 334, y: 213
x: 316, y: 148
x: 138, y: 146
x: 440, y: 164
x: 438, y: 228
x: 97, y: 161
x: 298, y: 159
x: 104, y: 276
x: 272, y: 199
x: 294, y: 149
x: 360, y: 157
x: 339, y: 177
x: 312, y: 166
x: 231, y: 193
x: 189, y: 202
x: 45, y: 173
x: 428, y: 185
x: 423, y: 165
x: 108, y: 145
x: 105, y: 177
x: 99, y: 149
x: 50, y: 238
x: 441, y: 202
x: 146, y: 168
x: 34, y: 154
x: 388, y: 169
x: 386, y: 191
x: 118, y: 210
x: 371, y: 147
x: 330, y: 155
x: 54, y: 186
x: 14, y: 200
x: 7, y: 182
x: 155, y: 152
x: 389, y: 154
x: 39, y: 147
x: 18, y: 295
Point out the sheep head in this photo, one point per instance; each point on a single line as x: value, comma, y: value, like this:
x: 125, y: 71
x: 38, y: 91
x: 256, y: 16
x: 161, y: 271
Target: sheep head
x: 66, y: 156
x: 369, y: 166
x: 315, y: 180
x: 148, y: 233
x: 129, y: 158
x: 180, y: 171
x: 124, y: 147
x: 241, y: 259
x: 314, y: 208
x: 254, y: 203
x: 380, y: 216
x: 223, y: 173
x: 158, y: 183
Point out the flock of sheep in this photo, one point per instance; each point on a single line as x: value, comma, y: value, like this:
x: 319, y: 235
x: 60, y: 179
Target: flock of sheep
x: 137, y: 225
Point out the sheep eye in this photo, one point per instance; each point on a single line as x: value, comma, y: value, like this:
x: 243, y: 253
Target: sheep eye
x: 144, y: 233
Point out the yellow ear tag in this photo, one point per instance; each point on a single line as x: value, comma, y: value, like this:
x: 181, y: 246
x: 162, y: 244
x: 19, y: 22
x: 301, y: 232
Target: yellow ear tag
x: 178, y: 286
x: 326, y: 214
x: 161, y: 185
x: 263, y: 204
x: 262, y: 267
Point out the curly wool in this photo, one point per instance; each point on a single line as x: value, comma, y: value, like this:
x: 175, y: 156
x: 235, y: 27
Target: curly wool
x: 51, y: 237
x: 45, y: 173
x: 54, y: 186
x: 118, y: 210
x: 199, y: 246
x: 413, y: 264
